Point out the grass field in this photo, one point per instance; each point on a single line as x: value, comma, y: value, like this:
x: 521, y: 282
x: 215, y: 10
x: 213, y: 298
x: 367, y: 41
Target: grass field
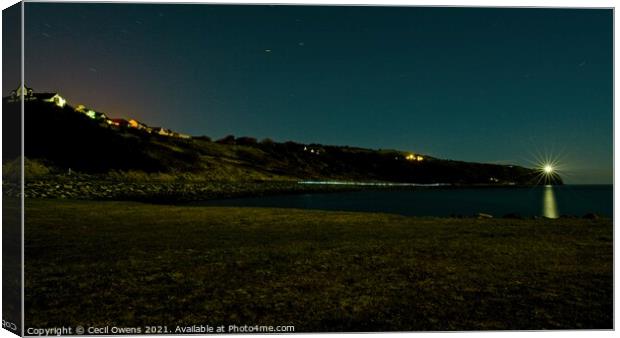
x: 126, y: 264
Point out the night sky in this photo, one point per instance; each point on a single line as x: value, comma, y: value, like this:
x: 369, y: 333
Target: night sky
x: 473, y: 84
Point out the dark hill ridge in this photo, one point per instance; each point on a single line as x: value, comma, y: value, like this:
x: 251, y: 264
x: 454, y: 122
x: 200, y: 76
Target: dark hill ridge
x: 66, y: 137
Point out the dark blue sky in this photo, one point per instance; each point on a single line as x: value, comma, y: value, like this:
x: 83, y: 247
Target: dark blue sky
x: 474, y: 84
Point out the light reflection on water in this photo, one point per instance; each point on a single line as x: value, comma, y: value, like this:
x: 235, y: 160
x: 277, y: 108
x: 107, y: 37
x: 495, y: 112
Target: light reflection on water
x: 549, y: 205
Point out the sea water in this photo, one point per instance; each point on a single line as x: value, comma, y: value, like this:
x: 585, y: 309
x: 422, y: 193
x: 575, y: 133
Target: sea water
x: 549, y: 201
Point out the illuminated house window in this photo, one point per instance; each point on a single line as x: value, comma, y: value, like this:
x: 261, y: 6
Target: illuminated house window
x: 52, y: 97
x: 138, y: 125
x: 57, y: 100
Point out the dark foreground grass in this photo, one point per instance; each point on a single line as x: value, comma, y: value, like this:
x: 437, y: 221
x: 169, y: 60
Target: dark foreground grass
x: 124, y: 263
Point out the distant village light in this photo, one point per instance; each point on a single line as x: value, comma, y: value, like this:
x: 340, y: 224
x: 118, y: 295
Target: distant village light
x: 29, y: 95
x: 414, y: 157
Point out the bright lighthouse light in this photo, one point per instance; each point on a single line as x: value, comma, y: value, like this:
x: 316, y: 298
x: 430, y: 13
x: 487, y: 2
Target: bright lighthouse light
x: 547, y: 169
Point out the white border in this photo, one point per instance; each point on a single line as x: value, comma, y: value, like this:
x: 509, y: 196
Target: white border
x: 469, y: 3
x: 22, y: 178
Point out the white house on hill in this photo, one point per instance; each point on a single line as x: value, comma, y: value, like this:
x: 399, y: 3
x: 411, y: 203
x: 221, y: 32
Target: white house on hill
x: 16, y: 94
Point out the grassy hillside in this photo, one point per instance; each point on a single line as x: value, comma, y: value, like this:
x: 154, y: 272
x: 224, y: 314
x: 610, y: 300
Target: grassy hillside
x: 64, y: 138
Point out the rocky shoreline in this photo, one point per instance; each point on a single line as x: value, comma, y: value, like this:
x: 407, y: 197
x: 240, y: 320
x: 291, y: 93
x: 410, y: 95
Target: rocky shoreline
x: 96, y: 188
x: 80, y: 188
x: 91, y: 187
